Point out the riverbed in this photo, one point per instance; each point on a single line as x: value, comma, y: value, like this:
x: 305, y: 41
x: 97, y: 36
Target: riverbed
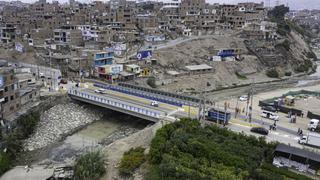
x: 111, y: 127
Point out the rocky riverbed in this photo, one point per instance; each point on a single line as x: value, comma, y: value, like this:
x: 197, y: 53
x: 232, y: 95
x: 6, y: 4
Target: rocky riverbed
x: 59, y: 121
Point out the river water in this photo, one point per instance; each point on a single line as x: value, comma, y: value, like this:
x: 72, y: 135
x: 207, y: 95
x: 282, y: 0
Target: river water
x: 111, y: 127
x: 315, y: 77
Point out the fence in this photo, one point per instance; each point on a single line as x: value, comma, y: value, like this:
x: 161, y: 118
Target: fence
x: 313, y: 116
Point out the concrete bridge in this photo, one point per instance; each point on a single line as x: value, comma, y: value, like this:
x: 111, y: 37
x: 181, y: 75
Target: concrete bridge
x: 122, y: 99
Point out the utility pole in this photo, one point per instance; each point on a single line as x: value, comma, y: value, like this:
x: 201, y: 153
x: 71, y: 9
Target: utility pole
x: 202, y: 109
x: 251, y: 103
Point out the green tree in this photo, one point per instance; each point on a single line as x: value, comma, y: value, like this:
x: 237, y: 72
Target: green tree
x: 186, y: 150
x: 278, y: 13
x: 89, y: 166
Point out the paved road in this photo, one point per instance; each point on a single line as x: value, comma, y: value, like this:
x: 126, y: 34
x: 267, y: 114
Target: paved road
x: 168, y: 44
x: 167, y: 109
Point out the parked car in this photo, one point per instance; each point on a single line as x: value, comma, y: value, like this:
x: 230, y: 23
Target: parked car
x: 154, y: 103
x: 260, y: 130
x: 269, y: 108
x: 270, y: 115
x: 243, y: 98
x: 63, y: 81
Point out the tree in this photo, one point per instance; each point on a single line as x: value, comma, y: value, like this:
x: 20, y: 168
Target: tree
x: 152, y: 82
x: 89, y: 166
x: 278, y: 13
x: 186, y: 150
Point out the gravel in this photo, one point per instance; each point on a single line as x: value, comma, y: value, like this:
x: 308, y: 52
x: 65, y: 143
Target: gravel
x: 59, y: 121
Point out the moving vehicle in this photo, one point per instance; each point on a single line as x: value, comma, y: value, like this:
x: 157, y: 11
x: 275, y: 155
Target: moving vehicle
x: 313, y: 125
x: 155, y: 104
x: 269, y: 108
x: 312, y: 139
x: 243, y: 98
x: 260, y: 130
x: 218, y: 115
x: 41, y: 75
x: 270, y: 115
x: 100, y: 91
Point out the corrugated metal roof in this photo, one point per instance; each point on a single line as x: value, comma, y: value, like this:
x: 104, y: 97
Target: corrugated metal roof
x: 298, y: 152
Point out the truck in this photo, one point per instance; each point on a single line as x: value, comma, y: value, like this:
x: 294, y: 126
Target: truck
x: 218, y: 115
x: 314, y: 125
x: 311, y: 139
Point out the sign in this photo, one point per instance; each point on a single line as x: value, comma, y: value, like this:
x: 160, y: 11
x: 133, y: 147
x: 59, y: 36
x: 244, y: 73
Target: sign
x: 155, y: 38
x: 144, y: 54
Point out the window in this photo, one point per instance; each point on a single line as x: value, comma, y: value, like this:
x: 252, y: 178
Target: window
x: 5, y: 100
x: 11, y: 98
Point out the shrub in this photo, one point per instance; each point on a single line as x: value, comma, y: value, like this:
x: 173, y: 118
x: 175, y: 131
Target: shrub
x: 288, y: 73
x: 131, y: 160
x: 285, y: 44
x: 152, y: 82
x: 5, y: 162
x: 311, y: 55
x: 305, y: 66
x: 272, y: 73
x: 89, y: 166
x: 28, y: 123
x: 243, y: 77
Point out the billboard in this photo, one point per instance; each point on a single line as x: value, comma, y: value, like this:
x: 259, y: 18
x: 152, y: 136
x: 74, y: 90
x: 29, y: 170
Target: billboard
x: 144, y: 54
x: 226, y: 53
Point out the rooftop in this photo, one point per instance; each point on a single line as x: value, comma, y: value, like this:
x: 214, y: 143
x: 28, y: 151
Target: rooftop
x: 198, y: 67
x: 298, y: 152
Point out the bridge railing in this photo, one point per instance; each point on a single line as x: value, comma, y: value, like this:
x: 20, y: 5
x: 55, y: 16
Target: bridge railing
x: 116, y: 103
x: 147, y: 95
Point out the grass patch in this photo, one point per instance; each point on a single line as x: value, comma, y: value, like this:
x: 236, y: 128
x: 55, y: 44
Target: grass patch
x: 89, y: 166
x: 272, y: 73
x: 131, y: 160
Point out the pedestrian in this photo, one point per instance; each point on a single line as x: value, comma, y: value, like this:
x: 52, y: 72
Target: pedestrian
x: 270, y: 127
x: 302, y: 114
x: 299, y: 131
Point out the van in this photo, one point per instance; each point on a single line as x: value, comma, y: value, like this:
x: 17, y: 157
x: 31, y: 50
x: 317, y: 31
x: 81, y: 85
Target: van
x: 270, y: 115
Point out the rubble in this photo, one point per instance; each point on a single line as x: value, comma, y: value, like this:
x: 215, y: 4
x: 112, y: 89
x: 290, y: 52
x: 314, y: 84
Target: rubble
x: 58, y: 122
x: 120, y: 133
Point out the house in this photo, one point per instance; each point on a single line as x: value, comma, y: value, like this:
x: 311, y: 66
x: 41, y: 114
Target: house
x: 133, y: 68
x: 110, y: 72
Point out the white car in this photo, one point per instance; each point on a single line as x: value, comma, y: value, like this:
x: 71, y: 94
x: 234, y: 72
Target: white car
x: 243, y: 98
x: 100, y: 91
x: 154, y: 103
x: 270, y: 115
